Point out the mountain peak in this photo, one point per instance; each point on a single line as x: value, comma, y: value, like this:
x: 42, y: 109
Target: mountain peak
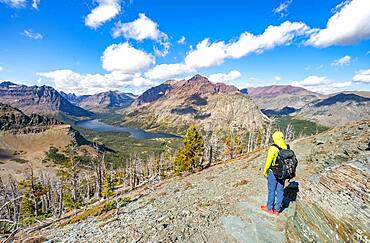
x: 6, y: 84
x: 198, y: 78
x: 41, y: 99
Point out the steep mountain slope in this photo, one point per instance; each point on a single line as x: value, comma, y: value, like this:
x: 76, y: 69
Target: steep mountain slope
x: 365, y: 94
x: 26, y: 138
x: 337, y: 110
x: 38, y: 99
x: 281, y: 99
x: 15, y: 121
x: 174, y: 105
x: 327, y: 202
x: 103, y: 102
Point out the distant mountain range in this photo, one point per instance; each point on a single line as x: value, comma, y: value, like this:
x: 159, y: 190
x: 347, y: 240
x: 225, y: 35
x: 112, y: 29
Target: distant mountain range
x: 337, y: 110
x: 101, y: 102
x: 39, y: 99
x: 328, y: 110
x: 278, y: 97
x: 174, y: 105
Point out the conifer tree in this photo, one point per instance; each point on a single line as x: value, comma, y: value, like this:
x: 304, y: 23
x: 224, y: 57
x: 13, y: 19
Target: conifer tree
x: 238, y: 145
x: 189, y: 156
x: 229, y: 146
x: 108, y: 186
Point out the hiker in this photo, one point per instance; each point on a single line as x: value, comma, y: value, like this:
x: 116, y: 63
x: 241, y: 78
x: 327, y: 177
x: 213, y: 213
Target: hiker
x: 280, y: 165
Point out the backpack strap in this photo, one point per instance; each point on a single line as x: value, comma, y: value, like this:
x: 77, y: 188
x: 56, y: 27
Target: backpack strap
x: 288, y: 146
x: 276, y: 146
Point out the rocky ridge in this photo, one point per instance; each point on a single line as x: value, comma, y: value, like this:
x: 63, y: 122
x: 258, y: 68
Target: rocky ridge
x: 176, y: 104
x: 278, y: 97
x: 328, y: 201
x: 101, y: 102
x: 15, y: 121
x: 38, y: 99
x: 337, y: 110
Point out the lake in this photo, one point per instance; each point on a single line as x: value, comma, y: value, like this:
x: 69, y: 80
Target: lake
x: 99, y: 126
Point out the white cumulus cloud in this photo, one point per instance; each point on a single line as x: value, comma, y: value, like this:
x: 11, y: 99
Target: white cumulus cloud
x: 32, y: 35
x: 207, y: 54
x: 362, y: 76
x: 345, y: 60
x: 105, y: 11
x: 72, y: 82
x: 141, y: 29
x: 350, y: 24
x: 272, y: 37
x: 311, y: 81
x: 277, y: 78
x: 225, y: 77
x: 169, y: 71
x: 126, y: 58
x: 1, y: 69
x: 322, y: 84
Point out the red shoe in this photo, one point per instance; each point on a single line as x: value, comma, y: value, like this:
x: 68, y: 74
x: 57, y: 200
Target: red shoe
x: 264, y: 208
x: 274, y: 212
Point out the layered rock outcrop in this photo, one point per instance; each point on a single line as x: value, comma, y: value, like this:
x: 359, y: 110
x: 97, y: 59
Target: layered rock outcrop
x: 15, y: 121
x: 333, y: 202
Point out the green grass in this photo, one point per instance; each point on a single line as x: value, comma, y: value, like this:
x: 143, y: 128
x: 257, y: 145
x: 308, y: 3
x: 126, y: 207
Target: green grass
x: 299, y: 126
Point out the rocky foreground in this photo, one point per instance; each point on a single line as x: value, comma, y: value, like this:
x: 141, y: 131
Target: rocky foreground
x: 328, y: 201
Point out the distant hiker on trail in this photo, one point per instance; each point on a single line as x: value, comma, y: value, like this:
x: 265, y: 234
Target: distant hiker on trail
x: 281, y: 164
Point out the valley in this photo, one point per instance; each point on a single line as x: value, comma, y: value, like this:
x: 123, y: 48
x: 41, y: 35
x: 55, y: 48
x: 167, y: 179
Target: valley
x: 221, y: 203
x: 123, y: 145
x: 184, y: 121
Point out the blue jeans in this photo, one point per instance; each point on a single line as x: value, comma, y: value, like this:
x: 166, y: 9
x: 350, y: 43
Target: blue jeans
x: 275, y: 188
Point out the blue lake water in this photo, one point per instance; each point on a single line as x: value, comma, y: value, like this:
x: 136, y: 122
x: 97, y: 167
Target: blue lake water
x: 137, y: 133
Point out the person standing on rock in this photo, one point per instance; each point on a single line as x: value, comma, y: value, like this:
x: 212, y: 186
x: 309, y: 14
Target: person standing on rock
x: 275, y: 182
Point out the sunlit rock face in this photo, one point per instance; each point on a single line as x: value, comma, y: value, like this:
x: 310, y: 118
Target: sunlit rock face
x: 333, y: 203
x: 174, y: 105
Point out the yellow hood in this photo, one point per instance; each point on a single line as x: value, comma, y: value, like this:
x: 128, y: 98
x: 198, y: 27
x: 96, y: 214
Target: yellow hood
x: 278, y: 138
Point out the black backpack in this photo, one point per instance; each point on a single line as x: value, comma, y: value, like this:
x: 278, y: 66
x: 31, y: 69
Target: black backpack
x: 285, y: 164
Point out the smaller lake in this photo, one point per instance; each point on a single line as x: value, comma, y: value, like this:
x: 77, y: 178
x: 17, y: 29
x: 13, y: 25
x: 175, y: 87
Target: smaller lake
x: 137, y: 133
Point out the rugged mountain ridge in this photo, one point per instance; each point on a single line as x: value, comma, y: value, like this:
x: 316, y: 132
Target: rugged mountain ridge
x: 14, y: 120
x: 26, y: 138
x: 38, y: 99
x: 173, y: 105
x: 103, y: 102
x: 337, y: 110
x: 282, y: 99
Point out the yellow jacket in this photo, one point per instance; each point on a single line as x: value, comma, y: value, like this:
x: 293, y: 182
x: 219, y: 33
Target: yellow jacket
x: 273, y: 152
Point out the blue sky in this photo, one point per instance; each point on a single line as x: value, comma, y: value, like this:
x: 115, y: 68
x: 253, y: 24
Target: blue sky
x: 91, y: 46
